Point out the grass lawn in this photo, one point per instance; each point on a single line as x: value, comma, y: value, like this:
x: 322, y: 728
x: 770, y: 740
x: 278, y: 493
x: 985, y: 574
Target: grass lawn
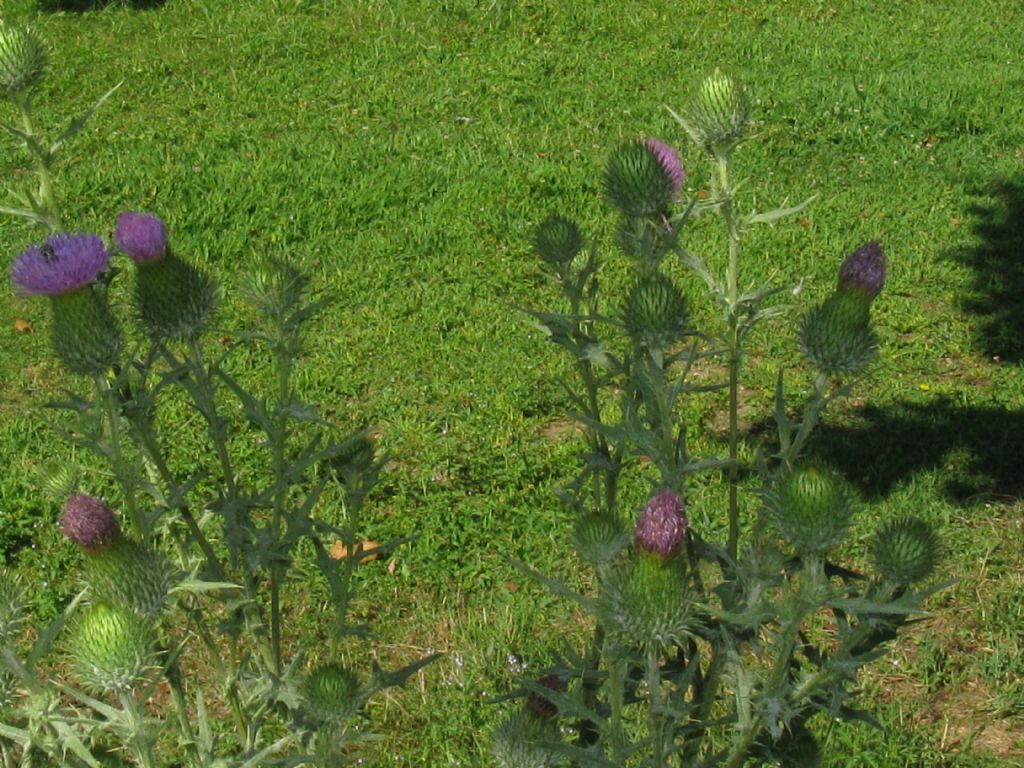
x: 402, y: 152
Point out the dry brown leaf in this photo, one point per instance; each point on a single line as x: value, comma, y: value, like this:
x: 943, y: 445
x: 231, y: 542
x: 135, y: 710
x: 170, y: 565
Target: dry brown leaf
x: 339, y: 551
x: 23, y: 326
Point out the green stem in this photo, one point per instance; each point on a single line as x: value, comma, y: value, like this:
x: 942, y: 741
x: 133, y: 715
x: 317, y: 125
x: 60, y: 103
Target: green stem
x: 126, y: 477
x: 142, y: 739
x: 735, y: 356
x: 205, y: 397
x: 812, y: 410
x: 280, y: 472
x: 655, y: 717
x: 181, y: 708
x: 45, y: 197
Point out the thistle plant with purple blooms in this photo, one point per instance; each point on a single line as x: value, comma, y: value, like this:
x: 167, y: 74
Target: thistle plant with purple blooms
x: 143, y: 568
x: 703, y: 652
x: 183, y: 562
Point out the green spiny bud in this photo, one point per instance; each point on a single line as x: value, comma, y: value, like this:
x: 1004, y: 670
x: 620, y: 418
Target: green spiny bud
x: 12, y: 607
x: 720, y: 116
x: 655, y: 312
x: 557, y: 241
x: 811, y: 506
x: 8, y: 689
x: 174, y: 299
x: 637, y: 182
x: 836, y: 337
x: 521, y: 740
x: 906, y: 550
x: 126, y: 573
x: 22, y: 59
x: 647, y: 604
x: 276, y: 288
x: 112, y: 649
x: 332, y: 693
x: 599, y: 539
x: 85, y: 337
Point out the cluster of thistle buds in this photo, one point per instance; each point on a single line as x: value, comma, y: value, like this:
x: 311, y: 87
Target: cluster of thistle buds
x: 173, y: 298
x: 113, y: 641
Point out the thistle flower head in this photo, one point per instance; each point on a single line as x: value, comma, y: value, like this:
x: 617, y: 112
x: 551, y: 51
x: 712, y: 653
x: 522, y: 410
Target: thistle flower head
x: 557, y: 241
x: 906, y: 550
x: 142, y: 236
x: 669, y: 161
x: 332, y: 693
x: 64, y: 263
x: 112, y: 648
x: 637, y: 181
x: 662, y: 526
x: 89, y: 523
x: 811, y: 506
x: 864, y: 270
x: 22, y: 59
x: 720, y: 115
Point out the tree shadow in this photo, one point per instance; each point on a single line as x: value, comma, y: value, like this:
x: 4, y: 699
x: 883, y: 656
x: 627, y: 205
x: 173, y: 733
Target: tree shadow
x: 83, y: 6
x: 978, y: 449
x: 997, y: 259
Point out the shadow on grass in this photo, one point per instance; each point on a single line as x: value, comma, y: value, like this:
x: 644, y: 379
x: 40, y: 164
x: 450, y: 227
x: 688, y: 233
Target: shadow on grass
x: 977, y: 450
x: 997, y: 295
x: 83, y: 6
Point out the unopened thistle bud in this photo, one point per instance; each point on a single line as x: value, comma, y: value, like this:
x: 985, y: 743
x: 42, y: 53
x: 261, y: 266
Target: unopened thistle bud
x: 906, y: 550
x: 12, y: 607
x: 557, y: 241
x: 112, y: 648
x: 720, y: 116
x: 524, y: 741
x: 65, y: 268
x: 863, y: 271
x: 22, y: 59
x: 174, y: 298
x: 599, y: 539
x: 332, y: 694
x: 638, y: 182
x: 662, y: 526
x: 811, y: 507
x: 655, y: 313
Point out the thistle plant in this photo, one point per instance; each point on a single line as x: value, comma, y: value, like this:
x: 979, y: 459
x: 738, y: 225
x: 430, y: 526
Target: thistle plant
x: 186, y: 569
x: 709, y: 644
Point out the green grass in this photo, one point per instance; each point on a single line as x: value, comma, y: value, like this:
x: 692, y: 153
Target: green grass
x: 402, y: 152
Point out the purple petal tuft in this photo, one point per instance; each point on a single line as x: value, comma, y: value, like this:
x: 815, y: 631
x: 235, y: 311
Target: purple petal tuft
x: 64, y: 263
x: 662, y: 526
x: 864, y: 270
x: 142, y: 236
x: 669, y: 161
x: 88, y: 522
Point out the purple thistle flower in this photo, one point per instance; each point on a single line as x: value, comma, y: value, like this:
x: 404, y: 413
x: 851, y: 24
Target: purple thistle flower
x: 142, y: 236
x: 669, y: 161
x: 89, y: 523
x: 864, y: 270
x: 64, y: 263
x: 662, y: 526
